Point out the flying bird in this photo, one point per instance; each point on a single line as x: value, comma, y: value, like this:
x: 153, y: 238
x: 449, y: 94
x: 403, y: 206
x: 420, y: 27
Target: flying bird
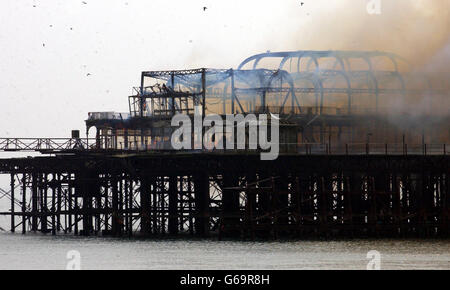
x: 204, y: 8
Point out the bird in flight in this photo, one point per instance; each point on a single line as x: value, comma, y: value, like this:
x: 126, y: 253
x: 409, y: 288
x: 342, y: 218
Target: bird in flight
x: 204, y: 8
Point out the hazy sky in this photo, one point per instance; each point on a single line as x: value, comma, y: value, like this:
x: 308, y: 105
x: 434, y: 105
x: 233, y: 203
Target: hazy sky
x: 61, y: 59
x: 49, y: 47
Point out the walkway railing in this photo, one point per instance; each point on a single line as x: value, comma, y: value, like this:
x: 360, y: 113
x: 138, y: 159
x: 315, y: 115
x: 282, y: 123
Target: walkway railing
x: 371, y: 148
x: 44, y: 144
x: 51, y: 145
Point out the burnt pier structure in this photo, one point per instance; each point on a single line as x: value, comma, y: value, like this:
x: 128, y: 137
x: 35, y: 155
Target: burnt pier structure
x: 231, y: 195
x: 363, y: 153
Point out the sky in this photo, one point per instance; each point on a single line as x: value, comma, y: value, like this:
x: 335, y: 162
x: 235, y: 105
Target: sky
x: 61, y: 59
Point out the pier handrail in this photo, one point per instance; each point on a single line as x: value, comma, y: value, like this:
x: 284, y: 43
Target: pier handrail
x: 44, y: 144
x: 55, y: 145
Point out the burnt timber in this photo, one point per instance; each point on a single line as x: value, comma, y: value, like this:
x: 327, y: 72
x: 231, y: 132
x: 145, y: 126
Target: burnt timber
x: 231, y: 195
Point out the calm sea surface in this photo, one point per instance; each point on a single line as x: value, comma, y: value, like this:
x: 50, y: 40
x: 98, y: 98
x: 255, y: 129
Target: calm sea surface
x: 36, y: 251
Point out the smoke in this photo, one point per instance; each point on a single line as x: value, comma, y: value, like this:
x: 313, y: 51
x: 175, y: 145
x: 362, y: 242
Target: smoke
x: 415, y: 29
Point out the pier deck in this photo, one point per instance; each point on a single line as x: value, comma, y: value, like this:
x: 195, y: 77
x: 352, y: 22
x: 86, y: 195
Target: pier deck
x: 230, y: 195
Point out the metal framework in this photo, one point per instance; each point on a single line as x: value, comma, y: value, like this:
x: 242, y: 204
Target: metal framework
x: 337, y: 96
x: 77, y: 145
x: 351, y: 163
x: 231, y: 196
x: 45, y: 144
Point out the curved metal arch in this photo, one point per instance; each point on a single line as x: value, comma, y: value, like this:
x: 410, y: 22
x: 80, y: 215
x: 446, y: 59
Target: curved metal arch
x: 283, y: 61
x: 363, y: 57
x: 349, y: 67
x: 390, y: 57
x: 367, y: 55
x: 374, y: 79
x: 260, y: 73
x: 369, y: 62
x: 398, y: 76
x: 247, y: 60
x: 369, y: 72
x: 300, y: 56
x: 402, y: 81
x: 312, y: 58
x: 318, y: 86
x: 349, y: 86
x: 393, y: 57
x: 298, y: 63
x: 281, y: 73
x: 394, y: 61
x: 340, y: 62
x: 337, y: 57
x: 316, y: 56
x: 342, y: 57
x: 341, y: 53
x: 290, y: 81
x: 258, y: 57
x: 256, y: 62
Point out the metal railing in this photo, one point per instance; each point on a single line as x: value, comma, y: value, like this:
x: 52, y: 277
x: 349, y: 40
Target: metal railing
x: 302, y: 149
x: 45, y: 144
x: 369, y: 149
x: 83, y: 144
x: 108, y: 116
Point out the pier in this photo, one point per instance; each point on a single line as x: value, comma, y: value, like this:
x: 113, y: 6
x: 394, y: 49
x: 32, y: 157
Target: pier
x: 351, y: 162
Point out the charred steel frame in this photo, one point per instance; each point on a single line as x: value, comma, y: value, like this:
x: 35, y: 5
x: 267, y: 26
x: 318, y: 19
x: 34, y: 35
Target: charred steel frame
x: 247, y: 90
x: 324, y: 188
